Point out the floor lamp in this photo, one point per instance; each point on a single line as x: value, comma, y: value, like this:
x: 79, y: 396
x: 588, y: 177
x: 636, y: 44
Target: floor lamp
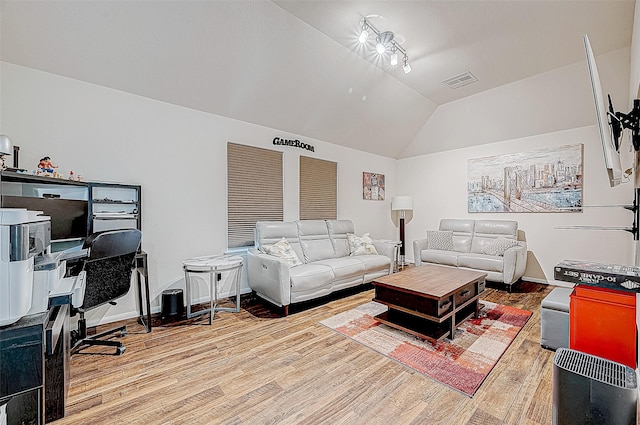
x: 402, y: 204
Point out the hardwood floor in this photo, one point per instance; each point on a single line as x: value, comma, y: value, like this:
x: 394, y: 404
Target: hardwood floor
x: 254, y: 367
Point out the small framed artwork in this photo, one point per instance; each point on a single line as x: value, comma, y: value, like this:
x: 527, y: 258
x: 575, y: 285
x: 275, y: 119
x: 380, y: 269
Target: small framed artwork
x: 373, y: 186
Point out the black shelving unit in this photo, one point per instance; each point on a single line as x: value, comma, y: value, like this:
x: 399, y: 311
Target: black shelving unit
x: 114, y: 206
x: 65, y: 201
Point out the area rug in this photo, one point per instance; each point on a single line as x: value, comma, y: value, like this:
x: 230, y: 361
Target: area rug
x: 462, y: 363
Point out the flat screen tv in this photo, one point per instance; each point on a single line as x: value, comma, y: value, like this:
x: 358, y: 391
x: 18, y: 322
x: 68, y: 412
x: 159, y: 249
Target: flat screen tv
x: 608, y: 139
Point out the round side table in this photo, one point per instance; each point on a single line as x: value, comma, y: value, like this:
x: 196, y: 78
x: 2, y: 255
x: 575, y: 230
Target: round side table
x: 213, y: 265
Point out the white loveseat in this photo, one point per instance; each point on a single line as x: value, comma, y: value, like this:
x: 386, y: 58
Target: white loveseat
x: 322, y: 247
x: 489, y: 246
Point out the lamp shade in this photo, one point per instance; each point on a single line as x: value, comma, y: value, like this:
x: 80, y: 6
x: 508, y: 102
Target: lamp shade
x: 6, y: 147
x: 402, y: 203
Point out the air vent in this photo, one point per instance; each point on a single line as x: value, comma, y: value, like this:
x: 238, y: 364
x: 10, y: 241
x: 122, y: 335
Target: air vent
x: 596, y: 368
x: 460, y: 80
x: 591, y: 390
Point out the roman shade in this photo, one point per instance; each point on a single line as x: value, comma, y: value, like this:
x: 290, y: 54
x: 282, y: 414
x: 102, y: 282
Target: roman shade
x: 254, y: 191
x: 318, y: 189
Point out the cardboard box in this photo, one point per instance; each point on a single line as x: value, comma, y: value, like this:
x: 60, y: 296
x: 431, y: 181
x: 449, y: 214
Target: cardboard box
x: 613, y: 276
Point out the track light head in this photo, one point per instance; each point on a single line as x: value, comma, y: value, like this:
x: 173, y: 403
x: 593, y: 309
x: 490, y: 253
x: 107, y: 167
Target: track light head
x: 406, y: 67
x: 364, y: 35
x: 393, y: 60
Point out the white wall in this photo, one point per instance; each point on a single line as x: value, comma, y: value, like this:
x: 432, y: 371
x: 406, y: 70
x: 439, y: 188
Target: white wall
x: 178, y: 155
x: 438, y: 185
x: 634, y: 77
x: 537, y: 103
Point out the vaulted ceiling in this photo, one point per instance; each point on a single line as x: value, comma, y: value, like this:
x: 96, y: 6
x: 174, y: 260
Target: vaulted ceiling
x: 296, y: 66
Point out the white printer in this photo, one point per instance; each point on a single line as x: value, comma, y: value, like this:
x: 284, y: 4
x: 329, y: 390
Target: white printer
x: 29, y: 273
x: 23, y: 235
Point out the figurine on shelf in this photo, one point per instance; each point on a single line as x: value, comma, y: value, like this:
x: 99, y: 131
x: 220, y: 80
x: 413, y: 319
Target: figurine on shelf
x: 46, y: 166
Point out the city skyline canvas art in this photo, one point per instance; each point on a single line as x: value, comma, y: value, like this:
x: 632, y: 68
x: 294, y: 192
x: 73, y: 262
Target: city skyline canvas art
x: 543, y: 180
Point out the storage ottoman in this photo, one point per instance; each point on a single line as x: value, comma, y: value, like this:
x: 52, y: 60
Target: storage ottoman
x: 554, y: 319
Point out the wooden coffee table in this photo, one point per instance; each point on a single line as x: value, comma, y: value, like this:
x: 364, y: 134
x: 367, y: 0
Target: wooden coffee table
x: 429, y: 301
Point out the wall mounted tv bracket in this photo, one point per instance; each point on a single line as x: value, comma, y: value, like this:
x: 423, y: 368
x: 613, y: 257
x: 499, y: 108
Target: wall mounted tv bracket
x: 631, y: 121
x: 635, y: 209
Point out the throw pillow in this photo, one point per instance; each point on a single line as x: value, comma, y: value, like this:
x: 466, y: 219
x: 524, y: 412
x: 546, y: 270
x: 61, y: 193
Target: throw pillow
x: 361, y: 245
x: 283, y: 249
x: 499, y: 246
x: 440, y: 239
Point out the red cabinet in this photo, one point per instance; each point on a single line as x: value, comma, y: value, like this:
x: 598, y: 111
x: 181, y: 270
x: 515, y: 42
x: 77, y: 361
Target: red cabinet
x: 603, y: 323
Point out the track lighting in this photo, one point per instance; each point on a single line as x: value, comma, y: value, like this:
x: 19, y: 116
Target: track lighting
x: 406, y: 67
x: 364, y: 35
x: 385, y: 41
x: 393, y: 59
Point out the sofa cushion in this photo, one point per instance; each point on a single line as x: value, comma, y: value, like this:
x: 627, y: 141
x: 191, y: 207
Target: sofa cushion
x: 270, y: 232
x: 481, y: 262
x: 486, y: 231
x: 360, y: 245
x: 310, y: 276
x: 462, y: 232
x: 338, y: 230
x: 345, y: 267
x: 440, y: 239
x: 499, y: 246
x: 374, y: 263
x: 282, y: 249
x: 314, y: 240
x: 448, y: 258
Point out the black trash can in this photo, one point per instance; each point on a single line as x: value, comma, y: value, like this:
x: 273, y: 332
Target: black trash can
x: 172, y: 304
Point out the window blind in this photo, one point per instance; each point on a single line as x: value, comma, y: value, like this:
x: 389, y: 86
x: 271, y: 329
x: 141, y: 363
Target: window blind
x: 254, y: 191
x: 318, y: 189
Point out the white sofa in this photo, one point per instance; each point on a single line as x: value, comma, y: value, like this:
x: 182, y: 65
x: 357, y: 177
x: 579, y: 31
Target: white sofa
x: 481, y: 245
x: 327, y: 266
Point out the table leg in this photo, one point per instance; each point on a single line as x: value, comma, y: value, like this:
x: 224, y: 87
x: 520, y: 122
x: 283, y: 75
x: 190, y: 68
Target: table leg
x: 143, y: 300
x: 187, y: 286
x: 452, y: 330
x: 477, y: 313
x: 141, y: 271
x: 213, y: 289
x: 238, y: 282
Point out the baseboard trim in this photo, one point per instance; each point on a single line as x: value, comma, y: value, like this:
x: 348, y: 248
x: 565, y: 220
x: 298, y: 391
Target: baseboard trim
x: 155, y: 309
x: 535, y: 280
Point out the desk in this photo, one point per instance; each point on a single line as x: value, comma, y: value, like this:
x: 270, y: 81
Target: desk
x: 22, y: 370
x: 213, y: 266
x: 57, y: 358
x: 142, y: 271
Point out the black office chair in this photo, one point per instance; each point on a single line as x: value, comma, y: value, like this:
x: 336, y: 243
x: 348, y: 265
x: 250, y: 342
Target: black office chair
x: 108, y: 268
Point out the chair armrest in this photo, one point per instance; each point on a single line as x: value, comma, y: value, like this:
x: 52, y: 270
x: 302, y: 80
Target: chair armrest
x: 269, y: 277
x: 385, y: 247
x: 389, y: 249
x: 515, y: 263
x: 418, y: 246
